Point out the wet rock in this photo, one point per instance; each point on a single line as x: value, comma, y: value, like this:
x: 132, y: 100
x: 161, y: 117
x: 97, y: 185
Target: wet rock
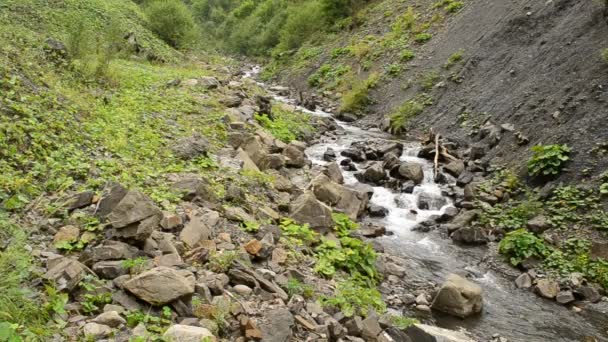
x: 295, y: 157
x: 524, y: 281
x: 264, y: 104
x: 354, y: 154
x: 427, y: 333
x: 111, y: 319
x: 187, y: 333
x: 377, y: 211
x: 547, y: 288
x: 372, y: 230
x: 374, y: 173
x: 329, y: 155
x: 346, y: 117
x: 411, y: 171
x: 277, y: 326
x: 391, y: 161
x: 470, y: 235
x: 307, y: 209
x: 458, y: 297
x: 454, y: 168
x: 160, y: 285
x: 191, y: 147
x: 430, y: 201
x: 96, y: 331
x: 65, y: 273
x: 588, y: 293
x: 565, y: 297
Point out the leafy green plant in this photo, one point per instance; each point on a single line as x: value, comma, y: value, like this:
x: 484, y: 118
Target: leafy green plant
x: 393, y: 69
x: 512, y: 215
x: 352, y: 255
x: 56, y: 300
x: 520, y: 245
x: 296, y: 287
x: 155, y: 324
x: 95, y: 302
x: 286, y: 126
x: 135, y: 266
x: 354, y: 297
x: 250, y: 227
x: 404, y: 23
x: 604, y: 55
x: 344, y: 225
x: 400, y: 118
x: 548, y: 160
x: 300, y: 234
x: 402, y: 322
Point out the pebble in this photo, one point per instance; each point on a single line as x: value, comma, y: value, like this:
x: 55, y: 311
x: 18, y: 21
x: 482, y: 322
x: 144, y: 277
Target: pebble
x: 243, y: 290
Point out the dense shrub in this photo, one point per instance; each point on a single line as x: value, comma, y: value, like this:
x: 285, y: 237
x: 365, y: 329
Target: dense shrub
x: 172, y: 21
x: 400, y: 118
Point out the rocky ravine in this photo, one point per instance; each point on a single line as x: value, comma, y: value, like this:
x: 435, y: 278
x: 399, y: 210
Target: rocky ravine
x: 197, y: 275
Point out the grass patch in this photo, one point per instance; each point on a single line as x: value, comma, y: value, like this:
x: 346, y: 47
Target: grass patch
x: 286, y: 126
x: 429, y: 79
x: 407, y: 111
x: 423, y: 37
x: 357, y: 98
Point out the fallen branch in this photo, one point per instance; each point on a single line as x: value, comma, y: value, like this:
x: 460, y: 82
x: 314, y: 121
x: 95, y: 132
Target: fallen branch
x: 436, y: 154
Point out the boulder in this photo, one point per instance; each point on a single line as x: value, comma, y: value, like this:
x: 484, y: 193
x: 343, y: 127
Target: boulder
x: 411, y: 171
x: 191, y: 147
x: 109, y: 250
x: 255, y: 149
x: 332, y: 170
x: 66, y: 234
x: 208, y: 82
x: 193, y: 188
x: 458, y: 297
x: 277, y: 325
x: 354, y: 154
x: 246, y: 162
x: 374, y: 173
x: 160, y: 285
x: 370, y: 328
x: 524, y: 281
x: 346, y: 200
x: 538, y: 224
x: 96, y: 331
x: 454, y: 168
x: 306, y: 209
x: 188, y: 333
x: 588, y: 293
x: 329, y: 155
x: 65, y: 273
x: 231, y: 101
x: 564, y: 297
x: 196, y: 230
x: 81, y: 200
x: 430, y: 201
x: 599, y: 250
x: 139, y: 231
x: 427, y: 333
x: 110, y: 318
x: 295, y: 157
x: 128, y: 207
x: 377, y: 211
x: 109, y: 269
x: 273, y: 161
x: 470, y: 235
x: 547, y: 288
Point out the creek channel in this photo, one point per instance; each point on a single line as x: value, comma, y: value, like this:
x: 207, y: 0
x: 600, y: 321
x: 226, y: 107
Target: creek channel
x: 515, y: 314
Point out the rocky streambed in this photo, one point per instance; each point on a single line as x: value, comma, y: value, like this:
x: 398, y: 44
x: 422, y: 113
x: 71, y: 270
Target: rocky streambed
x: 419, y: 214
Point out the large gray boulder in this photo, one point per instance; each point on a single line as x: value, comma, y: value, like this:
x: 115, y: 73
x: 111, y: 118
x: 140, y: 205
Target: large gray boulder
x: 132, y: 214
x: 65, y: 273
x: 427, y: 333
x: 411, y: 171
x: 160, y: 285
x: 277, y: 325
x: 306, y: 209
x: 375, y: 173
x: 458, y: 297
x: 349, y: 201
x: 191, y: 147
x: 294, y: 156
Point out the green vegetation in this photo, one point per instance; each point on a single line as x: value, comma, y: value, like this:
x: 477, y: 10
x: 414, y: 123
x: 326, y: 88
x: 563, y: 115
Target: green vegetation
x: 422, y: 37
x: 520, y: 245
x: 298, y: 234
x: 250, y: 227
x: 450, y: 6
x: 548, y: 160
x: 455, y: 58
x: 357, y: 98
x: 172, y: 21
x: 154, y: 324
x: 355, y: 297
x: 429, y: 79
x: 604, y: 55
x: 344, y: 225
x: 296, y: 287
x: 400, y: 118
x: 329, y: 76
x: 135, y: 266
x: 402, y: 322
x: 221, y: 262
x: 349, y: 254
x: 407, y: 55
x: 512, y: 215
x: 286, y: 126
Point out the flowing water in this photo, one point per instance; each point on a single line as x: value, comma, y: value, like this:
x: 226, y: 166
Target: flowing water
x: 515, y: 314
